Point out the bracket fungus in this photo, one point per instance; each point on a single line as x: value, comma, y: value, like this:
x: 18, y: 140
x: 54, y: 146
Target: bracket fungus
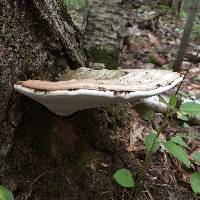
x: 85, y: 88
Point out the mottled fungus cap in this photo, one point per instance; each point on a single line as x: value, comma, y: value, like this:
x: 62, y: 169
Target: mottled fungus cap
x: 85, y: 88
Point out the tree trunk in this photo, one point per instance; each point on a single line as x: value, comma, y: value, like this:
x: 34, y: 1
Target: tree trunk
x: 185, y: 6
x: 186, y: 36
x: 176, y: 5
x: 38, y: 40
x: 104, y: 30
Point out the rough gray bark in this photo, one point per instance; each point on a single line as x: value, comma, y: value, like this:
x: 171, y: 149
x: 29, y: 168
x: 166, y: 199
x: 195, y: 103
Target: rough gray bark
x: 55, y: 13
x: 103, y: 22
x: 38, y: 40
x: 105, y: 27
x: 186, y: 36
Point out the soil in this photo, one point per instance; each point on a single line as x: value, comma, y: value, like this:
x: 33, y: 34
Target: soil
x: 80, y: 166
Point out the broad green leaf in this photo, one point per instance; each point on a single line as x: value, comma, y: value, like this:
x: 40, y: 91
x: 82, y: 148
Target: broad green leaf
x: 145, y: 112
x: 186, y: 125
x: 183, y: 135
x: 178, y: 152
x: 149, y: 142
x: 196, y: 156
x: 179, y: 140
x: 190, y: 108
x: 190, y: 136
x: 5, y: 194
x: 162, y: 100
x: 181, y: 116
x: 195, y: 182
x: 172, y: 101
x: 124, y: 178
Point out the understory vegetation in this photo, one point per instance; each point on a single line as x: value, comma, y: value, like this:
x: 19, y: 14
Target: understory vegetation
x: 175, y: 145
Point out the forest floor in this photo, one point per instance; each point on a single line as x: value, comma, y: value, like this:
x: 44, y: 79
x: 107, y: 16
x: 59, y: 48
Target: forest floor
x: 84, y: 171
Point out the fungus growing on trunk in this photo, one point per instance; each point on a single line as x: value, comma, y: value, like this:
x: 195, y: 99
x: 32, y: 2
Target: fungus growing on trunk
x: 85, y: 88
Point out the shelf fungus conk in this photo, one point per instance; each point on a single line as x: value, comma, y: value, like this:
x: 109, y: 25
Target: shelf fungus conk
x: 85, y: 88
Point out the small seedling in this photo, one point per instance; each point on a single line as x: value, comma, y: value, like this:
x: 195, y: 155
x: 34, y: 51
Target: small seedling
x: 5, y: 194
x: 175, y: 146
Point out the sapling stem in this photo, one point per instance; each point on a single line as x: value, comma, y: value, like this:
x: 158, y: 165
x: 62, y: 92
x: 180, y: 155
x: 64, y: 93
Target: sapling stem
x: 148, y: 159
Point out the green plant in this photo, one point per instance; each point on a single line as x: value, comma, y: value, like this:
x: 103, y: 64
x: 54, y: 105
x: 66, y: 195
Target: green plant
x: 175, y: 146
x: 124, y: 178
x: 195, y: 182
x: 5, y: 194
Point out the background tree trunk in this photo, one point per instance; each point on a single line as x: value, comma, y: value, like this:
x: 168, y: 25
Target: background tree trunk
x: 185, y: 6
x: 186, y: 36
x: 38, y: 40
x: 176, y: 5
x: 105, y: 27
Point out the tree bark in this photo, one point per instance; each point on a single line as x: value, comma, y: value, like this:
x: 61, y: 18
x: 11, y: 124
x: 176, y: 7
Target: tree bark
x: 186, y: 36
x: 104, y: 30
x: 38, y: 40
x: 185, y: 6
x: 60, y: 22
x: 176, y: 5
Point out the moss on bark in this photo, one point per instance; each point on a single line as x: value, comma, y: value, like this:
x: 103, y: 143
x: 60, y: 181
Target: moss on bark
x: 108, y: 57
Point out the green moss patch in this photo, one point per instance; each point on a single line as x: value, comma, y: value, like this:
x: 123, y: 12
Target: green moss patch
x: 108, y: 57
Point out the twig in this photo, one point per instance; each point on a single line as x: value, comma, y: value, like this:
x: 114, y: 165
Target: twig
x: 30, y: 189
x: 147, y: 160
x: 149, y: 194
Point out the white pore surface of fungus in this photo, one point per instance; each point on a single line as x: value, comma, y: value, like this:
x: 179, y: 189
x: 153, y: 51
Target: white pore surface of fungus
x: 94, y: 88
